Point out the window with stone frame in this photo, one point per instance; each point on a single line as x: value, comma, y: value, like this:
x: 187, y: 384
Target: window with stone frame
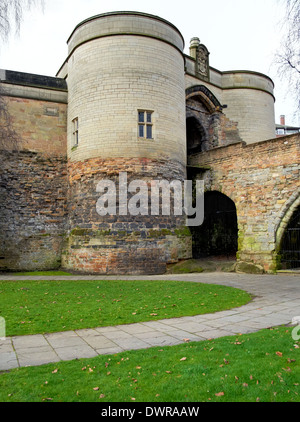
x: 75, y: 131
x: 145, y: 124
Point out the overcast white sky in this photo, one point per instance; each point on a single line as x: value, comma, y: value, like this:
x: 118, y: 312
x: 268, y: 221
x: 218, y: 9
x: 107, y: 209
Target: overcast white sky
x: 240, y: 35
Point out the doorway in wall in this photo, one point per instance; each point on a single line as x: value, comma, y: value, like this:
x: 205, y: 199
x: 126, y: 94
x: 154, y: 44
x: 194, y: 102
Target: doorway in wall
x: 290, y: 243
x: 195, y: 135
x: 218, y: 235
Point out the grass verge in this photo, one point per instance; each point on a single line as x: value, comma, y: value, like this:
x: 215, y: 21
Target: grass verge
x: 263, y: 367
x: 37, y: 307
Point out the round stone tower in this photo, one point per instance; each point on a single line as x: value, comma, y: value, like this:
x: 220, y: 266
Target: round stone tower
x: 126, y: 121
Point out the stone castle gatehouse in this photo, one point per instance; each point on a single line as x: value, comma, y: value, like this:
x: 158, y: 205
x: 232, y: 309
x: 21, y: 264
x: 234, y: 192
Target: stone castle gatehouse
x: 128, y: 100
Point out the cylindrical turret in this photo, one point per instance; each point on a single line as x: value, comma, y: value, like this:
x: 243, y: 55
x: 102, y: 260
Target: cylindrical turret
x: 126, y: 114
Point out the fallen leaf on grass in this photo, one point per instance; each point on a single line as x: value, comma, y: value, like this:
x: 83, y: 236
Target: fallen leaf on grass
x: 55, y: 371
x: 220, y: 394
x: 182, y: 359
x: 279, y: 354
x: 96, y: 389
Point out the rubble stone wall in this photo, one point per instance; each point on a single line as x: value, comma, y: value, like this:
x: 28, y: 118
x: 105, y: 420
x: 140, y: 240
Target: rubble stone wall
x: 263, y: 181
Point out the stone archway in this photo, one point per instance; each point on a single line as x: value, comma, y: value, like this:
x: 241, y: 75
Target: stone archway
x: 218, y: 235
x: 288, y: 238
x: 202, y: 119
x: 207, y: 125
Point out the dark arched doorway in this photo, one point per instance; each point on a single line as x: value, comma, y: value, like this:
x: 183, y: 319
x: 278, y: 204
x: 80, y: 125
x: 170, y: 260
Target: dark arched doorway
x: 290, y: 244
x: 195, y: 136
x: 218, y: 235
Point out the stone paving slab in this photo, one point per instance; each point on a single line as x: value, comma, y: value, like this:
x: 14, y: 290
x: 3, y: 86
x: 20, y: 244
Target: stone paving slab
x: 40, y: 357
x: 276, y: 301
x: 109, y: 350
x: 8, y: 360
x: 99, y: 342
x: 29, y: 342
x: 75, y: 352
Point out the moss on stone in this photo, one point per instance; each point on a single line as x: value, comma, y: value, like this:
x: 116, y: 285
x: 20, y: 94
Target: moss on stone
x: 248, y: 268
x: 159, y: 233
x: 182, y: 232
x: 185, y: 267
x: 80, y: 232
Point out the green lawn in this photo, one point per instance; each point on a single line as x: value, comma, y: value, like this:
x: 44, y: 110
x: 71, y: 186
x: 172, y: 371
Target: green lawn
x: 256, y: 367
x: 32, y: 307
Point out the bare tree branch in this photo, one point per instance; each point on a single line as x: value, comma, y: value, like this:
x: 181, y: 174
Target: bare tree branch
x: 9, y: 139
x: 288, y: 57
x: 11, y: 14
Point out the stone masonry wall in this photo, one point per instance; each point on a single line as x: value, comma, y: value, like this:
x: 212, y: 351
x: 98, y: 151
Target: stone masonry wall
x: 262, y: 179
x: 33, y: 181
x: 33, y: 192
x: 217, y: 129
x: 41, y: 125
x: 117, y: 244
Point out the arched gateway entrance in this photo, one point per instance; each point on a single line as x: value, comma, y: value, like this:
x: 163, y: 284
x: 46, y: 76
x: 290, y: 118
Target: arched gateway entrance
x: 289, y: 252
x: 218, y: 235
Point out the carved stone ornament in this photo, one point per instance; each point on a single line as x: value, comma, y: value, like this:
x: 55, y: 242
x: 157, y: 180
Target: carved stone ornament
x: 202, y: 61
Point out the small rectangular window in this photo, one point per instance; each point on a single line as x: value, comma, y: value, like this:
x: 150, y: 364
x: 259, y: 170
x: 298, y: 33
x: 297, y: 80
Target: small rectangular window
x: 141, y: 131
x: 75, y: 132
x: 145, y: 126
x: 149, y: 132
x: 141, y: 116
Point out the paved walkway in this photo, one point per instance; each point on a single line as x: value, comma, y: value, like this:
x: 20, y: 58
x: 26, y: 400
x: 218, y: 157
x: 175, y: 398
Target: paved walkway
x: 276, y: 302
